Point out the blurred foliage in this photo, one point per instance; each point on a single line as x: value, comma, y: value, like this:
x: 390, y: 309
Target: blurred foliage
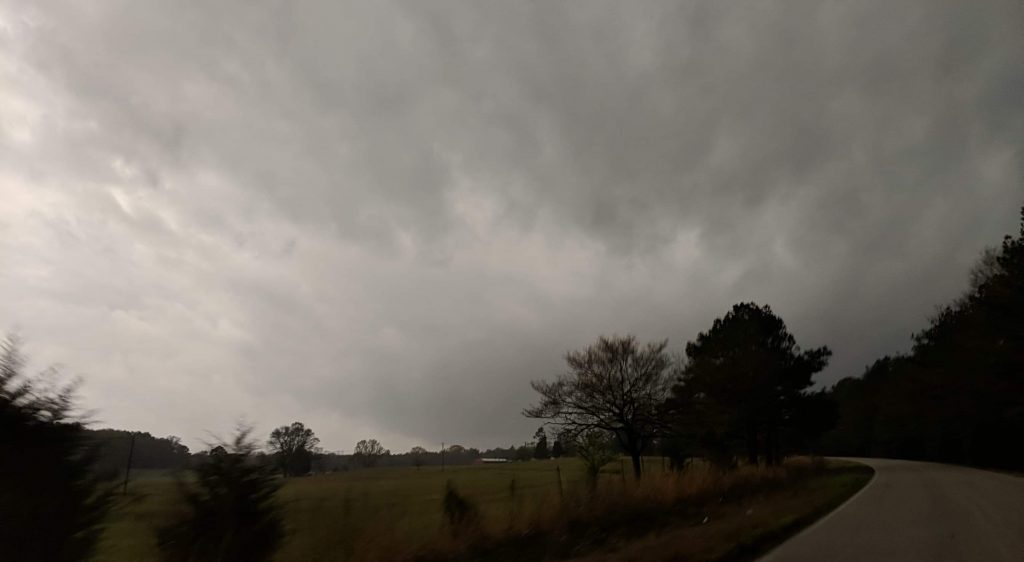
x: 52, y: 503
x: 230, y: 509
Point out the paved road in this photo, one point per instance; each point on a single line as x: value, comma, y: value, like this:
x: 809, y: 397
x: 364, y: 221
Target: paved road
x: 915, y: 511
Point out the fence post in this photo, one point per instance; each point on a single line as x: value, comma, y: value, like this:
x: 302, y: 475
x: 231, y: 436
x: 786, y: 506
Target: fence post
x: 128, y: 467
x: 512, y: 504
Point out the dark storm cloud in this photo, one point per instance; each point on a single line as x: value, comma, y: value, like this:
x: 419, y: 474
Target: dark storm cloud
x: 385, y: 218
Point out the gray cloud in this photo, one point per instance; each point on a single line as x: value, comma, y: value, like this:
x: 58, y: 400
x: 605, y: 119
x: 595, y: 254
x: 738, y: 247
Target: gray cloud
x: 384, y: 219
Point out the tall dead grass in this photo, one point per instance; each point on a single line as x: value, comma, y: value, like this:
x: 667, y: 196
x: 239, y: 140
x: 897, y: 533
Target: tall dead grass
x: 578, y: 518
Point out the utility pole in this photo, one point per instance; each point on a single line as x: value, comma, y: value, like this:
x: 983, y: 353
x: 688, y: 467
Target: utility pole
x: 128, y: 467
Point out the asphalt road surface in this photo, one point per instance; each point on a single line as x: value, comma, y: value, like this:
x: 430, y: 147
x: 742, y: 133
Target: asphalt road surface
x: 916, y: 511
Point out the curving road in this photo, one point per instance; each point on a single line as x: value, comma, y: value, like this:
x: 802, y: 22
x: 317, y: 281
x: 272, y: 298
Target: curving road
x: 916, y: 511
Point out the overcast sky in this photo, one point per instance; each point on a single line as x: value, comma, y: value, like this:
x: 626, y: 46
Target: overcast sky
x: 385, y: 218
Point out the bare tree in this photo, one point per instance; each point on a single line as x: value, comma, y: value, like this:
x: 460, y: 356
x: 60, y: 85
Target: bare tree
x: 614, y: 385
x: 368, y: 451
x: 418, y: 454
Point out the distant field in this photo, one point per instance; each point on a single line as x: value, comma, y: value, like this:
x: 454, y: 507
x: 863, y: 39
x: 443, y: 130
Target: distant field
x: 326, y: 513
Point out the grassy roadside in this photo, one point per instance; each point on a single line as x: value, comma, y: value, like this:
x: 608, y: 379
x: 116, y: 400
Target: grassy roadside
x: 748, y: 528
x: 700, y: 515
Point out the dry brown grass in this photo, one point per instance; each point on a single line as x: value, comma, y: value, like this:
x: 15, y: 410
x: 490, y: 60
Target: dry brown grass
x: 742, y: 529
x: 580, y: 520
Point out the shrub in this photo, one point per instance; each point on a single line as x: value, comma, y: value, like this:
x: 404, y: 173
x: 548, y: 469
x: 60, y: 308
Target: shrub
x: 460, y: 512
x: 51, y: 500
x: 231, y: 513
x: 595, y: 448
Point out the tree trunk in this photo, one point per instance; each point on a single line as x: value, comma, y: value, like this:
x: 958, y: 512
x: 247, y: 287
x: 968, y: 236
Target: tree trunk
x: 772, y: 454
x: 637, y: 469
x: 634, y: 446
x: 751, y: 445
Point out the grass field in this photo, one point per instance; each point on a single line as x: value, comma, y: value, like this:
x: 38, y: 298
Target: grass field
x: 326, y: 513
x: 334, y: 516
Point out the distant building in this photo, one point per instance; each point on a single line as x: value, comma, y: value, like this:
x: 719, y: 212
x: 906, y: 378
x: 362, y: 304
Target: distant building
x: 491, y: 461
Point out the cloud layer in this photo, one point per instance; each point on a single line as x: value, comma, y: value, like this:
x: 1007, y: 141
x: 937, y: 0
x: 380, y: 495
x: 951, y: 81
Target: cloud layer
x: 385, y: 218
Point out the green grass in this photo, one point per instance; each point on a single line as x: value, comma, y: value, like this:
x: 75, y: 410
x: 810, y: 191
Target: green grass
x: 129, y: 535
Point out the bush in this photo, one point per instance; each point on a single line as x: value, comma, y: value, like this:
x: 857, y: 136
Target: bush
x: 596, y: 449
x: 51, y: 500
x: 231, y: 513
x: 460, y: 512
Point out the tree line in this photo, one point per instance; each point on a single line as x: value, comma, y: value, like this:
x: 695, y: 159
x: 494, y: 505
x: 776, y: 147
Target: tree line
x: 113, y: 447
x: 295, y: 450
x: 958, y: 395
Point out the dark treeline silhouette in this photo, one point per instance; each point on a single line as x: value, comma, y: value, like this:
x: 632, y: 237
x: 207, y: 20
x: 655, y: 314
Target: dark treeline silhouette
x: 958, y: 396
x: 454, y: 455
x: 293, y: 449
x: 147, y: 452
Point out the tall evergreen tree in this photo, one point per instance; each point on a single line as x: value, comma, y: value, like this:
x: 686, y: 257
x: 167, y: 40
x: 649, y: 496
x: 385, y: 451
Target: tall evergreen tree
x: 540, y: 451
x: 743, y: 379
